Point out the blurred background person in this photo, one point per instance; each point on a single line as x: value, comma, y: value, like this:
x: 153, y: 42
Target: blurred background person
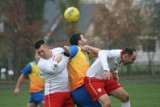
x: 36, y: 88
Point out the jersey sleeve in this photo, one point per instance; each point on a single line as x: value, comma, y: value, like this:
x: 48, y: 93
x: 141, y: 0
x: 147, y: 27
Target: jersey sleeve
x: 27, y: 70
x: 103, y: 58
x: 61, y: 65
x: 47, y: 66
x: 105, y: 54
x: 58, y: 50
x: 73, y: 50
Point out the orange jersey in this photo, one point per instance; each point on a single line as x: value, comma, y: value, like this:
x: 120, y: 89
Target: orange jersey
x: 77, y: 67
x: 36, y: 79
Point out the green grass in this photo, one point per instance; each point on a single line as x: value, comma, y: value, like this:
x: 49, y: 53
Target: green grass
x: 140, y: 69
x: 144, y: 91
x: 7, y: 99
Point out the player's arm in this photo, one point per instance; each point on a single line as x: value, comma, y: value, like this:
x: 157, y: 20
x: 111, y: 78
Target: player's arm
x: 104, y: 55
x: 59, y: 51
x: 104, y: 61
x: 60, y: 63
x: 112, y: 54
x: 57, y: 66
x: 19, y: 82
x: 21, y: 78
x: 56, y: 61
x: 91, y: 49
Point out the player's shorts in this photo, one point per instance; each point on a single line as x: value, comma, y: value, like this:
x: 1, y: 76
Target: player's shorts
x: 98, y: 87
x: 83, y: 99
x: 36, y: 97
x: 59, y: 99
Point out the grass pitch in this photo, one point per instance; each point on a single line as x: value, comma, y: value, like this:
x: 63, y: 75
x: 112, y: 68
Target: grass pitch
x: 144, y: 91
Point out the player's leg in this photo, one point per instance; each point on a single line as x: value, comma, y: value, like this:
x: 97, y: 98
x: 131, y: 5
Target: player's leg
x: 38, y: 98
x: 54, y: 100
x: 105, y: 100
x: 83, y: 99
x: 96, y: 88
x: 31, y: 105
x: 68, y: 101
x: 31, y: 101
x: 122, y: 95
x: 47, y: 100
x: 42, y: 104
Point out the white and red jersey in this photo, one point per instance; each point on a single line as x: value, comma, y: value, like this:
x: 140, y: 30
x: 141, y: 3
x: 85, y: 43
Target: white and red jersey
x: 107, y: 60
x: 56, y: 79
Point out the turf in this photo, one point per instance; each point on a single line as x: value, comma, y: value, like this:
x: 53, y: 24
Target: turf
x: 144, y: 91
x: 7, y: 99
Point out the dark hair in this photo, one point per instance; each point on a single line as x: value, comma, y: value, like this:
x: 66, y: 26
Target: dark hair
x: 38, y: 44
x: 75, y: 38
x: 128, y: 51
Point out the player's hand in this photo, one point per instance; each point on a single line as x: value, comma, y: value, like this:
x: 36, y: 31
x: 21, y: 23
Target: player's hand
x: 56, y: 61
x: 54, y: 64
x: 85, y: 48
x: 66, y: 49
x: 107, y: 75
x: 16, y: 91
x: 115, y: 76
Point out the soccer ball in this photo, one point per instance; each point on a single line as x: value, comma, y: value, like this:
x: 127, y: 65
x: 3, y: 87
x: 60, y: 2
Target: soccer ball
x: 71, y: 14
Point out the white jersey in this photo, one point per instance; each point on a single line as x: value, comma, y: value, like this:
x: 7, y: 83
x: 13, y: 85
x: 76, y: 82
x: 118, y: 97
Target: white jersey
x: 107, y: 60
x: 56, y: 79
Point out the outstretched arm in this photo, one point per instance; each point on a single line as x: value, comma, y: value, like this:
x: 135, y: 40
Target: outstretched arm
x: 19, y: 82
x: 89, y: 48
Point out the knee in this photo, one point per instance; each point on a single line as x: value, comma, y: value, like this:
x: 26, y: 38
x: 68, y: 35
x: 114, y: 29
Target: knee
x: 42, y: 104
x: 105, y: 101
x: 125, y: 98
x: 106, y: 104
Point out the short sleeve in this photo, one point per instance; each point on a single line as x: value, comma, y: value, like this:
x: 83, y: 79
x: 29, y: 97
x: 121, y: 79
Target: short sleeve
x: 73, y: 50
x: 27, y: 70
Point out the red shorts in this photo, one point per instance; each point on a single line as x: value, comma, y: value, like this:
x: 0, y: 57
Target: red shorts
x: 59, y: 99
x: 98, y: 87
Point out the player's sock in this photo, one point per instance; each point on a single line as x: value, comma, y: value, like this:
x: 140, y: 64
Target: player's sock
x: 125, y: 104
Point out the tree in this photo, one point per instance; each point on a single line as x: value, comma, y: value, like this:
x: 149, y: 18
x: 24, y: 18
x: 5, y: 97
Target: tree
x: 117, y: 24
x: 23, y: 21
x: 150, y: 32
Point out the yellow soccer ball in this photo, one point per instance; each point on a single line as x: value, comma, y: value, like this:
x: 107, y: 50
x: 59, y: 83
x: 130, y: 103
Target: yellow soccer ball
x: 71, y: 14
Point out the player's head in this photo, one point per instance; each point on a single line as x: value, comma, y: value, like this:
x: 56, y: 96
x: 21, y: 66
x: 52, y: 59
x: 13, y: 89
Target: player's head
x: 78, y: 39
x: 128, y: 56
x: 42, y: 49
